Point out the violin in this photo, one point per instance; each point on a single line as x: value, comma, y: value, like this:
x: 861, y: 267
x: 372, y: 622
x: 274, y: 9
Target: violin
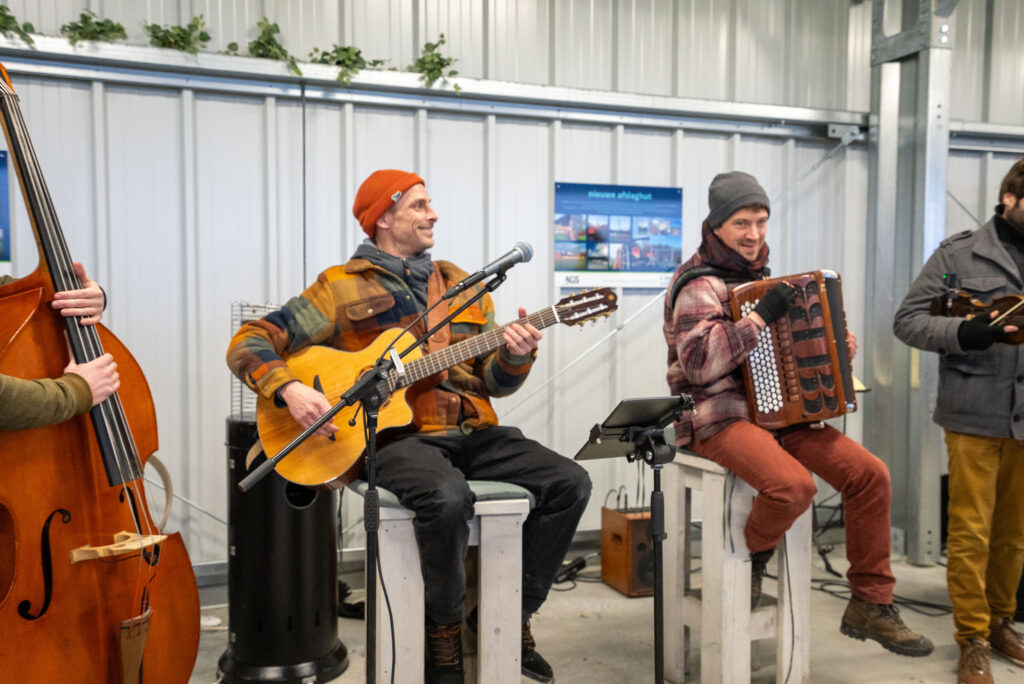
x: 1009, y: 310
x: 91, y: 589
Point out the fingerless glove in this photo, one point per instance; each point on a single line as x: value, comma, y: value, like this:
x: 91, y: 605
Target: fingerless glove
x: 976, y: 334
x: 776, y: 303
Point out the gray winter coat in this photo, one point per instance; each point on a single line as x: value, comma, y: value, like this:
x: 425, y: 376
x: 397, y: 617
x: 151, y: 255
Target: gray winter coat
x: 980, y: 392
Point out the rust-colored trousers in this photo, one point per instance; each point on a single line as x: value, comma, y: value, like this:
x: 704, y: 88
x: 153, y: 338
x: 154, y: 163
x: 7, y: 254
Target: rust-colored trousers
x: 779, y: 473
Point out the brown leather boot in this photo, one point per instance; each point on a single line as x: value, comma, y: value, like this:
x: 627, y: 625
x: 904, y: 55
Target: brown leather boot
x: 973, y: 667
x: 1006, y: 641
x: 882, y: 622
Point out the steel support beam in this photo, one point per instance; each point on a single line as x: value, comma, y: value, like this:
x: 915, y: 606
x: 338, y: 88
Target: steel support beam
x: 908, y: 153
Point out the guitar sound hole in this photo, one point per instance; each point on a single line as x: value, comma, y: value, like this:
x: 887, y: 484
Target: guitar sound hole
x: 6, y: 553
x: 298, y: 496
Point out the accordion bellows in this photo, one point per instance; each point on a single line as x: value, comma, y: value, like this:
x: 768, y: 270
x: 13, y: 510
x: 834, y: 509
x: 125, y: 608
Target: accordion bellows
x: 800, y: 371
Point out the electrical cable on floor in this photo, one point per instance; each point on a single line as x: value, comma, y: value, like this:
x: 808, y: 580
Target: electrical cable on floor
x: 572, y: 572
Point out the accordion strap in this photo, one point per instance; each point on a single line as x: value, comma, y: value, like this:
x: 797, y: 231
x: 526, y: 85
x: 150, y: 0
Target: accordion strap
x: 699, y: 272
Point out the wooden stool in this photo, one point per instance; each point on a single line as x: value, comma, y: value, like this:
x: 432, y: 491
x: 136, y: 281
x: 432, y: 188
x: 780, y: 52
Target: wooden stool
x: 720, y: 609
x: 497, y: 530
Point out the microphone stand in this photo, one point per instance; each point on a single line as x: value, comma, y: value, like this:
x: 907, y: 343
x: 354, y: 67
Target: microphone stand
x: 372, y: 388
x: 635, y: 429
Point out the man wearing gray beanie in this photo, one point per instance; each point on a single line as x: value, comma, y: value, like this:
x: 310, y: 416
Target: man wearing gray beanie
x: 706, y: 349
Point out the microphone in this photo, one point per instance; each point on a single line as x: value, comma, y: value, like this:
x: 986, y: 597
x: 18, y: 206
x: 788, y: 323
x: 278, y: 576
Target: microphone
x: 520, y: 252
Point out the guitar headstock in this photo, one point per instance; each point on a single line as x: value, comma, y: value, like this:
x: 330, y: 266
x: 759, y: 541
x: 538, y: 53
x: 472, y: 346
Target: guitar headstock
x: 587, y: 305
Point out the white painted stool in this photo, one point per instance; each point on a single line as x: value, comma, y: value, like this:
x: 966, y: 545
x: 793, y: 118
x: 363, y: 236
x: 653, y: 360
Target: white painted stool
x: 497, y: 529
x: 720, y: 609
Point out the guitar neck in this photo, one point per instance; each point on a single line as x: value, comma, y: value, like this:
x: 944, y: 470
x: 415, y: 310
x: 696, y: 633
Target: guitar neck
x: 477, y: 345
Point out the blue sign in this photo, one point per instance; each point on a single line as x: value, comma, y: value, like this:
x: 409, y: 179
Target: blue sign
x: 617, y: 228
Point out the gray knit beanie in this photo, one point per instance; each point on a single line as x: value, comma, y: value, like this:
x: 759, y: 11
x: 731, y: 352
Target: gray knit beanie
x: 730, y: 192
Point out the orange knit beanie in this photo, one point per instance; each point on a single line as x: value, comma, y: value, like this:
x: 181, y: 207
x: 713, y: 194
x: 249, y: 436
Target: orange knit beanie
x: 378, y: 193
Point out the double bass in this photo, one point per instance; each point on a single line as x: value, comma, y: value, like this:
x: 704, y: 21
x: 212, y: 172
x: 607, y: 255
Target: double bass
x: 91, y: 590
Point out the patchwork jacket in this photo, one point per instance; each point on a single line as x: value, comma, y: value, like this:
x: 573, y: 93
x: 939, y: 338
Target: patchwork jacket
x: 705, y: 351
x: 349, y: 306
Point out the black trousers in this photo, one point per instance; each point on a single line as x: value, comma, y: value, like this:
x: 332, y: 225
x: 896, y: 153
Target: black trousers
x: 428, y: 473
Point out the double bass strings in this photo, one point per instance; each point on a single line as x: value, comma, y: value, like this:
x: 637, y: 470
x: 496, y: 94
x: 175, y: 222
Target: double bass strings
x: 112, y: 426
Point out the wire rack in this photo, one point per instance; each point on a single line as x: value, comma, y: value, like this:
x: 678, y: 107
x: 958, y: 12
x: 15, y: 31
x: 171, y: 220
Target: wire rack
x: 243, y: 399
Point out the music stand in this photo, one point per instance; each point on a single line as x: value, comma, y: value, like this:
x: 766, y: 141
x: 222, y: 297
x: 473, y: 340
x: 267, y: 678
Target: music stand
x: 635, y: 429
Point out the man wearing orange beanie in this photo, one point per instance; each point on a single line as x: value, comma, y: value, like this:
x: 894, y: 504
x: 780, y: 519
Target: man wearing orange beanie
x: 389, y: 281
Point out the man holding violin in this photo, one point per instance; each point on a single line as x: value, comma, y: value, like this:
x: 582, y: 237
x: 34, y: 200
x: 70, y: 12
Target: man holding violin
x: 981, y: 407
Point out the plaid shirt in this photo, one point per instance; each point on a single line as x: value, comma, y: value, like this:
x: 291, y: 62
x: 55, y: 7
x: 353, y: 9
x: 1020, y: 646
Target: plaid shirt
x: 705, y: 350
x: 349, y: 306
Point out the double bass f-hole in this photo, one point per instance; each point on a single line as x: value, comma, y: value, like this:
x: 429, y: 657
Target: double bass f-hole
x: 46, y: 562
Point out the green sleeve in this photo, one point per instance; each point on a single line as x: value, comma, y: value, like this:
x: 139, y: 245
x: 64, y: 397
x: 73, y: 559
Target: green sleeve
x: 33, y: 403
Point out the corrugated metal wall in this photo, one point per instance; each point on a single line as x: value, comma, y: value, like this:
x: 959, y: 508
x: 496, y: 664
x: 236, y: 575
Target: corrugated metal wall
x: 183, y: 199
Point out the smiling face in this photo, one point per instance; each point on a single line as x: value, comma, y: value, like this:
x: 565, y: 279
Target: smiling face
x: 407, y: 228
x: 744, y: 231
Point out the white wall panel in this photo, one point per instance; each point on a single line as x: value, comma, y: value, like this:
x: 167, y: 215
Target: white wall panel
x: 146, y: 282
x: 455, y: 180
x: 707, y: 56
x: 1006, y: 83
x: 813, y: 35
x: 762, y: 51
x: 462, y: 24
x: 583, y: 43
x: 518, y: 39
x: 856, y: 82
x: 968, y: 78
x: 329, y: 222
x: 645, y: 46
x: 232, y: 260
x: 385, y: 29
x: 520, y: 208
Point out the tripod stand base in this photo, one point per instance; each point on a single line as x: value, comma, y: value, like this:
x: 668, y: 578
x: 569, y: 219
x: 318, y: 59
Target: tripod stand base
x: 323, y: 669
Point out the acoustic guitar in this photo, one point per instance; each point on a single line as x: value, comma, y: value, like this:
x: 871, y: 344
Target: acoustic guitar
x: 332, y: 462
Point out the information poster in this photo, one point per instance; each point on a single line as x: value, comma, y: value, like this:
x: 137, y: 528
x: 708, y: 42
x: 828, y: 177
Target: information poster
x: 5, y: 212
x: 616, y: 235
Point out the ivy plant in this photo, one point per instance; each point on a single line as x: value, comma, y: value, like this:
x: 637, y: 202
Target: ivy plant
x: 90, y: 27
x: 9, y: 24
x: 187, y: 38
x: 267, y: 46
x: 349, y: 60
x: 431, y: 64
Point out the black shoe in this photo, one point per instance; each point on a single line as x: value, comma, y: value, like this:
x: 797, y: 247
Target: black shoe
x: 534, y: 665
x: 758, y: 569
x: 444, y: 654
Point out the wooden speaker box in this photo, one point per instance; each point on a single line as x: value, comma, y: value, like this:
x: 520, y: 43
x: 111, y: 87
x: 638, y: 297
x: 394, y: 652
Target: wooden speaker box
x: 627, y: 551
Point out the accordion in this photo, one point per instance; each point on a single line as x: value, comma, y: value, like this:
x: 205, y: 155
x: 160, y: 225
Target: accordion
x: 800, y: 371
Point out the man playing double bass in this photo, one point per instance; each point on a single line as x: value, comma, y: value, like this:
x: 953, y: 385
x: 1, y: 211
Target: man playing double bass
x: 34, y: 403
x: 389, y: 280
x: 706, y: 348
x: 980, y: 405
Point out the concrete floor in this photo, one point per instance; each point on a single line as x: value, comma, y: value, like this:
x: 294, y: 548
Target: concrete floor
x: 591, y: 634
